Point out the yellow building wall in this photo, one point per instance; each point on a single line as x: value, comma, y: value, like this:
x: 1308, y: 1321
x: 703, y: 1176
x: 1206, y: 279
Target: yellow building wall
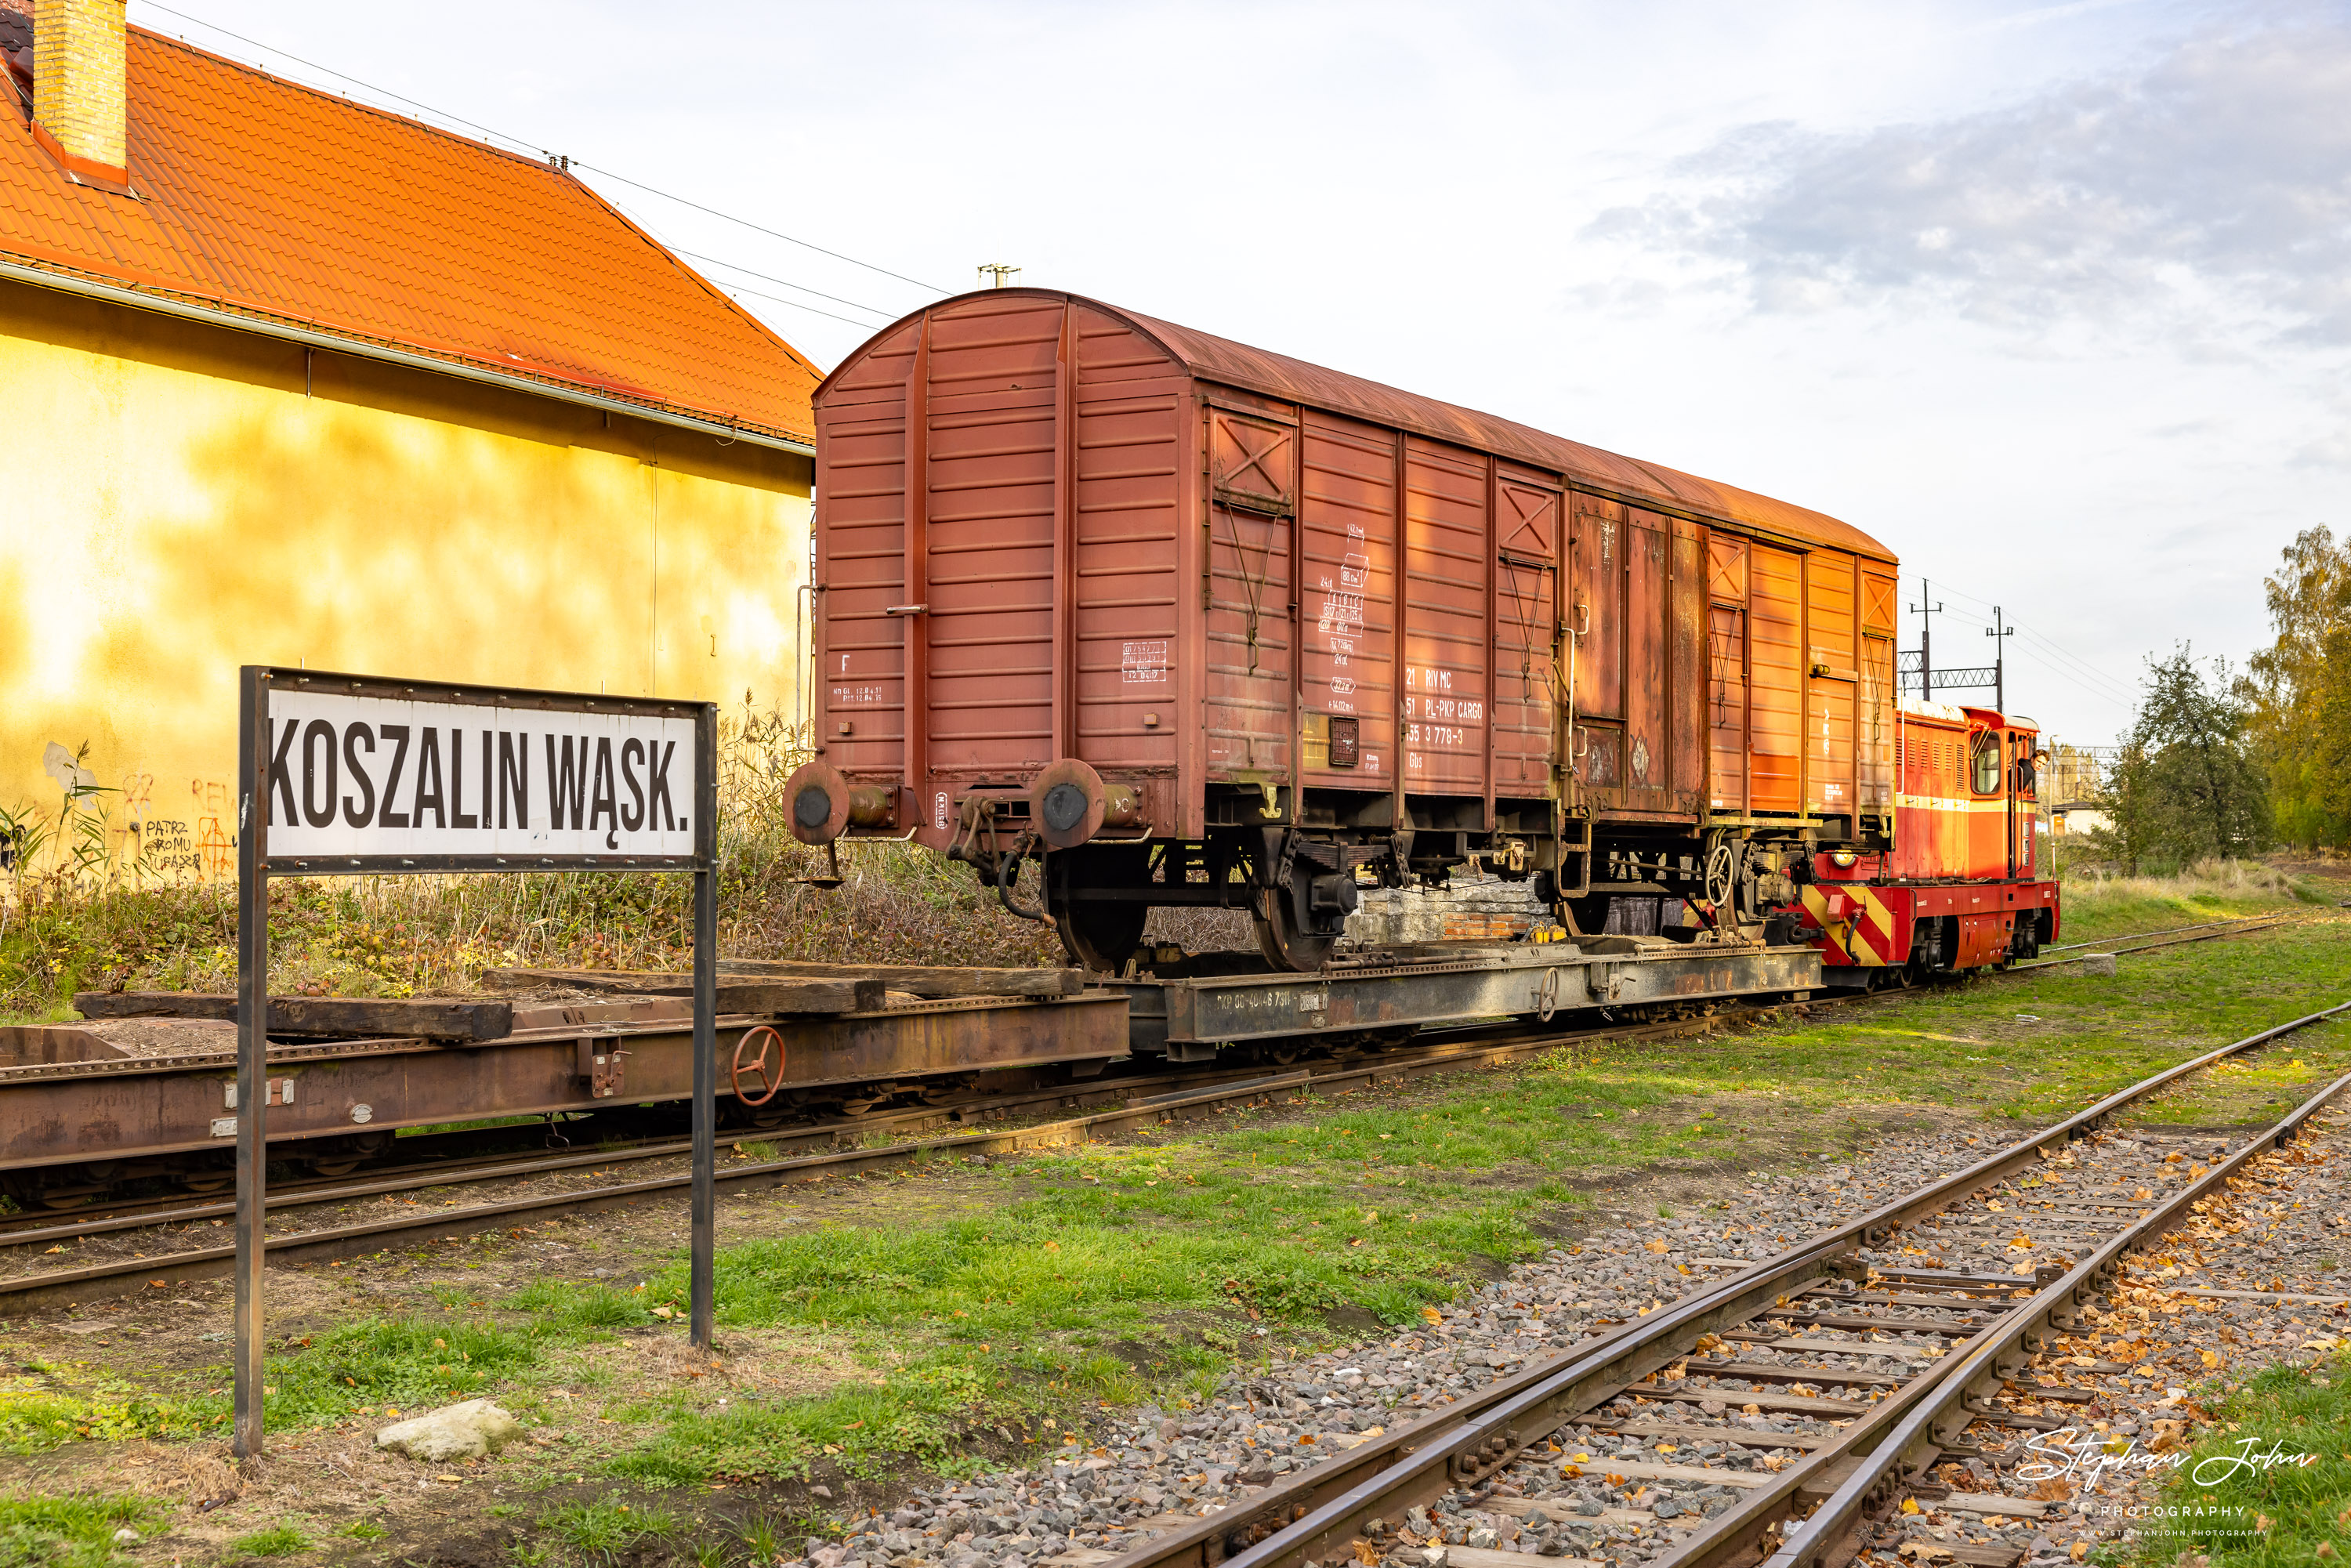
x: 177, y: 500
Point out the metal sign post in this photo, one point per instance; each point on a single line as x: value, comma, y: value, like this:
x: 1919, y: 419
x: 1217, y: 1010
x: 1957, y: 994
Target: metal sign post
x: 360, y: 776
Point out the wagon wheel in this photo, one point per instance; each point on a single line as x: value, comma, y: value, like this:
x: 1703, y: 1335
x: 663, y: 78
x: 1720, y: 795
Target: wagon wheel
x: 1279, y: 937
x: 770, y: 1078
x: 1103, y: 936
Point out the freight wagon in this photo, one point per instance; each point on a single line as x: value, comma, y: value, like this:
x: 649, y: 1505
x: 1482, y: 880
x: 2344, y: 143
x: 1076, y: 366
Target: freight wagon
x: 1189, y: 622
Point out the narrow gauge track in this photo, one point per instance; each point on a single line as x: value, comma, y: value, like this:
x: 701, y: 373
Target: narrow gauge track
x: 2167, y: 931
x: 1193, y: 1092
x: 2116, y: 946
x: 1735, y: 1375
x: 1463, y: 1050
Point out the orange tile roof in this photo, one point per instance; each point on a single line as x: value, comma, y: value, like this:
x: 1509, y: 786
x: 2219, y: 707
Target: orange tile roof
x: 265, y: 198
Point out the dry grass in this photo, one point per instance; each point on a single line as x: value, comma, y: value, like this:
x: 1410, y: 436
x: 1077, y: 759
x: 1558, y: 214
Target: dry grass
x: 64, y: 928
x: 2097, y: 904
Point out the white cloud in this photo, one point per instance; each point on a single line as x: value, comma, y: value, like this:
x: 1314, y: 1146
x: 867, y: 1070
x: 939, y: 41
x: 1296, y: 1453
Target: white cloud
x: 2216, y: 176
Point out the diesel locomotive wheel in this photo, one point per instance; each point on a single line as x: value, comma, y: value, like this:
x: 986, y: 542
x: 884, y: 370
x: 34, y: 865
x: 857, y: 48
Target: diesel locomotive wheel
x: 1101, y: 934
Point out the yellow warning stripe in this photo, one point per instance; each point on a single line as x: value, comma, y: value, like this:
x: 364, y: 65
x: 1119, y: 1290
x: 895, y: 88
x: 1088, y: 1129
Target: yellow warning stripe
x: 1866, y: 938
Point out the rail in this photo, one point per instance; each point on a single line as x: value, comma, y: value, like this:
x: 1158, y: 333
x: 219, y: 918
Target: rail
x: 1324, y: 1512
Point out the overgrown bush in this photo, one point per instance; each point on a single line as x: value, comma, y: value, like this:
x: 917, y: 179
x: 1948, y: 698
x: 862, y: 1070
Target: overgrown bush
x: 73, y: 921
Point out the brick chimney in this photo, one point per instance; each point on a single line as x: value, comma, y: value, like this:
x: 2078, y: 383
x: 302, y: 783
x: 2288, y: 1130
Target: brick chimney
x: 80, y: 106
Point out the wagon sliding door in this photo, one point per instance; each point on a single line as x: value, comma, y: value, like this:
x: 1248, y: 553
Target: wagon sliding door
x: 1252, y: 507
x: 1446, y: 651
x: 1527, y: 682
x: 1775, y: 611
x: 1832, y: 649
x: 1596, y: 615
x: 1725, y: 706
x: 1876, y: 716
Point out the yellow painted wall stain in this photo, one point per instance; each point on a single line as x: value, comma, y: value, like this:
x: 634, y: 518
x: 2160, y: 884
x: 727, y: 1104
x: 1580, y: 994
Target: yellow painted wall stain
x: 178, y: 504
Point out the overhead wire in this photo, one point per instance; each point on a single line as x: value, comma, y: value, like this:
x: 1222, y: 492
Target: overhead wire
x: 2087, y: 677
x: 788, y: 283
x: 532, y: 146
x: 2053, y: 649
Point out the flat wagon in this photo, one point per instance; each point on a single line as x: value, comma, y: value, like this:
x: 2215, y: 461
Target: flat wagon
x: 1191, y: 623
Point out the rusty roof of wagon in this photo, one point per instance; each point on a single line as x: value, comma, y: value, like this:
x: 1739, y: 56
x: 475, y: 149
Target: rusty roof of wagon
x: 1220, y: 360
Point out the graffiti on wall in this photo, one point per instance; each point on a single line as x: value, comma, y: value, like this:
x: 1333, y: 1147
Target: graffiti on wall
x: 139, y: 839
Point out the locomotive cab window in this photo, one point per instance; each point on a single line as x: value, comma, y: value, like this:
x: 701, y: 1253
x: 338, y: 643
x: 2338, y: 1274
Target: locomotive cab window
x: 1986, y: 760
x: 2026, y: 775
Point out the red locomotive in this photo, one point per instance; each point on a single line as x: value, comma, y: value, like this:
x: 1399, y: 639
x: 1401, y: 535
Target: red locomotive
x: 1187, y: 622
x: 1958, y: 889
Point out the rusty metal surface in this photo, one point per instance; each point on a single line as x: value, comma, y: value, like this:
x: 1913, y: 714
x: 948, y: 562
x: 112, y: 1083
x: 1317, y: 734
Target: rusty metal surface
x: 66, y: 1111
x: 1051, y: 529
x: 1216, y: 359
x: 1530, y: 981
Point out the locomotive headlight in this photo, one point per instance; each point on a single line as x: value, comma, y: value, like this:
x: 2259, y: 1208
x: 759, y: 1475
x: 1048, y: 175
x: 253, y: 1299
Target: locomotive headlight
x: 1842, y: 859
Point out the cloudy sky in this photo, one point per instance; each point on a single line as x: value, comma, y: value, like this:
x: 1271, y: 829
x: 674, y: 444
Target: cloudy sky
x: 2054, y: 299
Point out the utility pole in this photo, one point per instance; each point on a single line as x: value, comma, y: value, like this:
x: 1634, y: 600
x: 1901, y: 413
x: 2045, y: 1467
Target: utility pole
x: 1925, y: 609
x: 1998, y: 631
x: 998, y: 271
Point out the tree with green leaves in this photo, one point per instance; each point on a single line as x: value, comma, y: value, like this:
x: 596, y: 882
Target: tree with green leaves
x: 2186, y: 787
x: 2298, y: 691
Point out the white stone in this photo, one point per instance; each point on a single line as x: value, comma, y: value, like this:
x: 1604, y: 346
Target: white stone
x: 465, y: 1432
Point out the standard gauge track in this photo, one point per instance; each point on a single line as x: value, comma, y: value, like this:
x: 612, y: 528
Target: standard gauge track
x: 1797, y: 1395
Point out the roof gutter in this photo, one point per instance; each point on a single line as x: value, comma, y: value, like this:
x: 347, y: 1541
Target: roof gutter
x: 286, y: 332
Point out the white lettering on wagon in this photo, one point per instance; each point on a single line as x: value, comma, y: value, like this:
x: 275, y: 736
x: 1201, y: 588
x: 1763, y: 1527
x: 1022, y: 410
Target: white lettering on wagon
x: 1143, y: 664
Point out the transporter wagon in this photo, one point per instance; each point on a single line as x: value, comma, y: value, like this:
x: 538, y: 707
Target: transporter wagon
x: 1189, y: 622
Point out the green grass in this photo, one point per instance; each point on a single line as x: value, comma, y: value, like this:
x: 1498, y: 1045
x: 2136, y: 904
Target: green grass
x: 1003, y: 1307
x: 48, y: 1404
x: 384, y: 1366
x: 278, y: 1541
x: 2277, y: 1516
x: 2032, y: 1046
x: 1109, y: 1275
x: 605, y: 1527
x: 2096, y: 906
x: 67, y: 1532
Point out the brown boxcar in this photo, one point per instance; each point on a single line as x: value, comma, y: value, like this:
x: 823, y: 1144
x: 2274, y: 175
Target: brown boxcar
x: 1192, y: 623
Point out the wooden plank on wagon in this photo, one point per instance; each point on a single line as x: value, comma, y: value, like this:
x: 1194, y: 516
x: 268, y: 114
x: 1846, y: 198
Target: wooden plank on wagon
x: 350, y: 1018
x: 920, y: 979
x: 735, y: 995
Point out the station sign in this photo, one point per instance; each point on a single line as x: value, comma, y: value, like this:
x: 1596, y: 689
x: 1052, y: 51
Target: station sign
x: 366, y: 775
x: 358, y: 774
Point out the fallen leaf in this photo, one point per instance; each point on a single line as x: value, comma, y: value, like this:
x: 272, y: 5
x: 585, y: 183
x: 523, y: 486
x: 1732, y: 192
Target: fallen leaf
x: 2082, y: 1548
x: 1656, y: 1246
x: 1909, y: 1505
x: 1432, y: 1315
x: 2211, y: 1360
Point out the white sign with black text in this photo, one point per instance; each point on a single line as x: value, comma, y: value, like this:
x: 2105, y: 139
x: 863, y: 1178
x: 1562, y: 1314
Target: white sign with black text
x: 352, y: 776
